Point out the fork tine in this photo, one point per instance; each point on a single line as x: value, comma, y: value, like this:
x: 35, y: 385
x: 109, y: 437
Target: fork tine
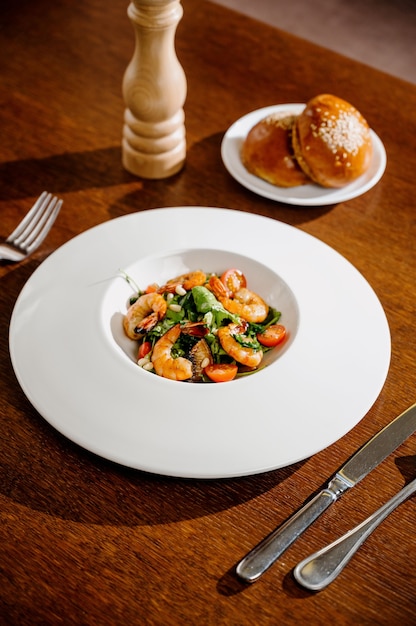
x: 47, y: 222
x: 36, y: 226
x: 31, y: 215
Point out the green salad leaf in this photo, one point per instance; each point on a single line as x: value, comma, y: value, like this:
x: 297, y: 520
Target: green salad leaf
x: 206, y: 302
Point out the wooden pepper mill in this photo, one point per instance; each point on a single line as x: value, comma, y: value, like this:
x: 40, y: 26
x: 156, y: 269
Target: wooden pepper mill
x: 154, y: 91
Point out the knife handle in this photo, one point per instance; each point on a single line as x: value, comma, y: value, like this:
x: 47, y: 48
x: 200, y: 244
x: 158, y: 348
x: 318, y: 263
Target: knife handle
x: 260, y: 558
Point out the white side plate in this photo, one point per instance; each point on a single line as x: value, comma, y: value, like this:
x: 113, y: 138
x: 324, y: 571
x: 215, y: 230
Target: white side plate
x: 303, y: 195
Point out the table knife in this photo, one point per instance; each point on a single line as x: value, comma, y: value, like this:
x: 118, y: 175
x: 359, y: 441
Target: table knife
x: 383, y: 443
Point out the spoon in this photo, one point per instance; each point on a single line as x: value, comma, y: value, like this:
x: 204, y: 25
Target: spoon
x: 321, y: 568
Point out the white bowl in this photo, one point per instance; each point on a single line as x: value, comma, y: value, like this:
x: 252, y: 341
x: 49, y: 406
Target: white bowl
x: 164, y: 266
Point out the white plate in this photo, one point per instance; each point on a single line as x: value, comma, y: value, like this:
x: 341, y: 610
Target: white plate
x: 75, y: 367
x: 303, y: 195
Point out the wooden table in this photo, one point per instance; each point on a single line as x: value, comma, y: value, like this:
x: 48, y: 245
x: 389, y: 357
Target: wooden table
x: 84, y: 541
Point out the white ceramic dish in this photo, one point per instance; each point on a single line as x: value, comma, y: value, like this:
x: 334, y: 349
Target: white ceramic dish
x: 303, y: 195
x: 75, y: 366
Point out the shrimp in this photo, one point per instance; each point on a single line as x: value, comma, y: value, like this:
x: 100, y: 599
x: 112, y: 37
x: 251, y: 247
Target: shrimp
x: 186, y: 281
x: 247, y: 305
x: 218, y: 288
x: 242, y: 354
x: 244, y: 302
x: 164, y: 363
x: 144, y: 314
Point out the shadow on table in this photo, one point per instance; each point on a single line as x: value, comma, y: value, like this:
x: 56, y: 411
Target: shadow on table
x: 204, y: 181
x: 62, y: 173
x: 44, y: 471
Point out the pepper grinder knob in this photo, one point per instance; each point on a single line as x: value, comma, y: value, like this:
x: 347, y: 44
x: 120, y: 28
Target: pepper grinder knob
x: 154, y: 91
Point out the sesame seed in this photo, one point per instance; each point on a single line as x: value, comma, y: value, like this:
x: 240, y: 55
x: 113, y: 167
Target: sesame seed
x: 175, y: 307
x: 345, y: 133
x: 281, y: 120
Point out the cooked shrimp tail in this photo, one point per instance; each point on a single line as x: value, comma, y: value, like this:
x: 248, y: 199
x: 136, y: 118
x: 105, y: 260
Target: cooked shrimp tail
x: 147, y: 323
x: 144, y: 314
x: 218, y: 288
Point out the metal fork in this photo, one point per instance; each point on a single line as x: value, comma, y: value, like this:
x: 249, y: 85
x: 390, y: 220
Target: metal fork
x: 32, y: 230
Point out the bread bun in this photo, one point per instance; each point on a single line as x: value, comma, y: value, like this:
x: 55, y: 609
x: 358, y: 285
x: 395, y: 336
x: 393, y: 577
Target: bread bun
x: 267, y: 152
x: 332, y: 141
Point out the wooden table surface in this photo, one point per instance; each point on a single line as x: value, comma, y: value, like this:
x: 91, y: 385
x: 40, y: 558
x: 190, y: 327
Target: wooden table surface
x: 85, y: 541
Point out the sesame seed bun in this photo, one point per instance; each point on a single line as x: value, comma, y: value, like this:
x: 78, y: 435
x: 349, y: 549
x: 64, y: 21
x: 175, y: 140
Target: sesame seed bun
x: 332, y: 141
x: 267, y: 152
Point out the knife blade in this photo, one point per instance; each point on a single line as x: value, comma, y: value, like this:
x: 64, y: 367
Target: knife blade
x: 371, y: 454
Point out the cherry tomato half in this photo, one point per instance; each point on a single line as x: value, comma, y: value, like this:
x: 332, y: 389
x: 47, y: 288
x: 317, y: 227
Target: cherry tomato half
x: 221, y: 372
x: 233, y: 279
x: 144, y: 349
x: 272, y: 335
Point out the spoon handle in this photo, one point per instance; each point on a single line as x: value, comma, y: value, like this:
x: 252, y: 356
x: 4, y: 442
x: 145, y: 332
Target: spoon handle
x: 321, y: 568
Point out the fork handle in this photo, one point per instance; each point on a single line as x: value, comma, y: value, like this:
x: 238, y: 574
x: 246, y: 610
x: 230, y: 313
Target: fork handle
x: 10, y: 255
x: 321, y: 568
